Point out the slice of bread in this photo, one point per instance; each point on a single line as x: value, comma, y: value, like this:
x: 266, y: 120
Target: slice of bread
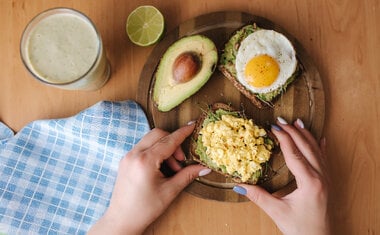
x: 198, y: 153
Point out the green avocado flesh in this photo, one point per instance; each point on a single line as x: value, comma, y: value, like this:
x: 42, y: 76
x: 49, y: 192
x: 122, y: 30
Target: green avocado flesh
x: 228, y: 57
x: 201, y: 150
x: 167, y: 93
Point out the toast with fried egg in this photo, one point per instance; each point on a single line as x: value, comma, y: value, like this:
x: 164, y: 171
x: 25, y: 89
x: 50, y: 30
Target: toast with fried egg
x: 260, y: 63
x: 226, y: 141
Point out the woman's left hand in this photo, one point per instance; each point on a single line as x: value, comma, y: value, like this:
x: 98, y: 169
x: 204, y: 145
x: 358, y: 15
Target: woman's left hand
x: 142, y: 193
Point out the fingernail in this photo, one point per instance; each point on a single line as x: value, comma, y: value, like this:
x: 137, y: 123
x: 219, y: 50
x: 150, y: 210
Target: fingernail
x: 300, y: 123
x: 282, y: 121
x: 191, y: 122
x: 240, y: 190
x: 277, y: 128
x: 204, y: 172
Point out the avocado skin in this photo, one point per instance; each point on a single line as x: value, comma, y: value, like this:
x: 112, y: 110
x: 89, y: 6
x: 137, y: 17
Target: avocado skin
x: 167, y: 93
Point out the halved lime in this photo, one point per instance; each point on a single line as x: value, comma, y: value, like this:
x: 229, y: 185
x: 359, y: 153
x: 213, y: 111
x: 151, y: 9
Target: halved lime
x: 145, y: 25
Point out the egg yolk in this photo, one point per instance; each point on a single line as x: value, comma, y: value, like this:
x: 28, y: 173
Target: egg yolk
x: 261, y: 71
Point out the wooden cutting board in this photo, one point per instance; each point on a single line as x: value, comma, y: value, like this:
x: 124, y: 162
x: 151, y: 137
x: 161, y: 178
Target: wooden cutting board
x: 303, y: 99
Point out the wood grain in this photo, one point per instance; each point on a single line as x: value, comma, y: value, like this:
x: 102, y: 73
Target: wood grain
x: 343, y: 39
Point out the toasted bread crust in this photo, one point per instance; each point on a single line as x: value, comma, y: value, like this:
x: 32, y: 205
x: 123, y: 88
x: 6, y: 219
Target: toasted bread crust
x: 254, y: 100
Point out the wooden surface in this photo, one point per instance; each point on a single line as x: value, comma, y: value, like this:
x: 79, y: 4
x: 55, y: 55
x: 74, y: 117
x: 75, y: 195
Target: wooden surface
x: 343, y: 39
x: 303, y: 99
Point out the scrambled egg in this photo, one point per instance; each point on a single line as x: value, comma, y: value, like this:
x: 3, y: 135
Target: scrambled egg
x: 236, y: 144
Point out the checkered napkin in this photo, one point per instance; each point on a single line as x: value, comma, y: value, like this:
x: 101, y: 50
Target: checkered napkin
x: 57, y: 175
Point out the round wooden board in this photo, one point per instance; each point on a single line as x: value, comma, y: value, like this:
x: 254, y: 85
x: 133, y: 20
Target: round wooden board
x: 303, y: 99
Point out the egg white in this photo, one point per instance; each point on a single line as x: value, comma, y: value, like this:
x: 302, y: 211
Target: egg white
x: 273, y: 44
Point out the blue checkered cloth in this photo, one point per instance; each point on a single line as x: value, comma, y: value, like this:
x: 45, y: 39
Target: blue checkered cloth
x: 57, y: 175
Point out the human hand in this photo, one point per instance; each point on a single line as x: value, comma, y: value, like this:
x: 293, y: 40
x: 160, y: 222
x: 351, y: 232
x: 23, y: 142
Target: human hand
x: 142, y: 193
x: 304, y: 211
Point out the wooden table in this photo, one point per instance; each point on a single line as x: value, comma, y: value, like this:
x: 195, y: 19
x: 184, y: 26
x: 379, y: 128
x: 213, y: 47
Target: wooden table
x: 342, y: 37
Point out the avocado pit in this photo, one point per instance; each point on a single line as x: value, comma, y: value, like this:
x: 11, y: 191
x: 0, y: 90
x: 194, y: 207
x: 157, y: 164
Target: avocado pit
x: 186, y: 66
x: 183, y: 69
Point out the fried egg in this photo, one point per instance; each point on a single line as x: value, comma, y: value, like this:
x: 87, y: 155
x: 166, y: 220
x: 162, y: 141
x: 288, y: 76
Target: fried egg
x: 265, y: 60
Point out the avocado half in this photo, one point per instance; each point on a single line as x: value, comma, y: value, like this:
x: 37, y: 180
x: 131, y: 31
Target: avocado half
x: 168, y: 91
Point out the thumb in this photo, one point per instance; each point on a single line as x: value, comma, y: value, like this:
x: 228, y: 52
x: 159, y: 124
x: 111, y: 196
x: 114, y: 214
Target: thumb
x: 187, y: 175
x: 267, y: 202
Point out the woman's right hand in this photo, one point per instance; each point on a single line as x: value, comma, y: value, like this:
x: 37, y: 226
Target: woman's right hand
x: 304, y: 211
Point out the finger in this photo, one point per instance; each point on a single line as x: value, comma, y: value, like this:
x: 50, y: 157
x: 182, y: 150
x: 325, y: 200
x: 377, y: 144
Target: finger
x: 305, y: 132
x: 173, y: 164
x: 320, y: 149
x: 294, y: 159
x: 179, y: 155
x: 185, y: 176
x: 267, y: 202
x: 310, y: 138
x: 305, y: 142
x: 150, y: 138
x: 174, y: 161
x: 167, y: 145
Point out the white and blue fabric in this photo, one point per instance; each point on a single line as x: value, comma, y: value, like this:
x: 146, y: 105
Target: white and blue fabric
x: 57, y: 175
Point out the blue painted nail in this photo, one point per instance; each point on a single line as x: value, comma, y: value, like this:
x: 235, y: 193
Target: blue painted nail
x: 277, y: 128
x: 240, y: 190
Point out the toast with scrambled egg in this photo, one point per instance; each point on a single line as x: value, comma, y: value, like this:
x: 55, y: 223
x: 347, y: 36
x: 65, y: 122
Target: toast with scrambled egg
x: 231, y: 144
